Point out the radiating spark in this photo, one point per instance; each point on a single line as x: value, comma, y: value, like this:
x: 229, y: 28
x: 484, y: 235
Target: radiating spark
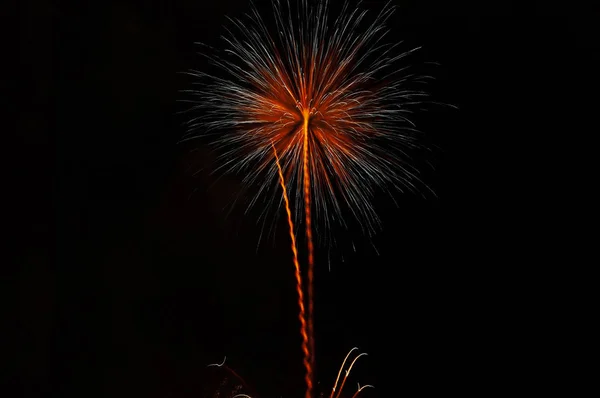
x: 330, y: 94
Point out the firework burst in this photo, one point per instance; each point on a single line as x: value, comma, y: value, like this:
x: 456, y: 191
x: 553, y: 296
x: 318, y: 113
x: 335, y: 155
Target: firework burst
x: 319, y: 107
x: 329, y: 94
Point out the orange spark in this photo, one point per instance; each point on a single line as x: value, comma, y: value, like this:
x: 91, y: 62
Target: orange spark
x: 311, y: 262
x: 303, y: 326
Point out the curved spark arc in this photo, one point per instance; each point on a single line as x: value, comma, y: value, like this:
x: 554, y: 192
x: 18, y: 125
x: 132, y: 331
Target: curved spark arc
x: 348, y: 373
x: 358, y: 391
x: 337, y: 379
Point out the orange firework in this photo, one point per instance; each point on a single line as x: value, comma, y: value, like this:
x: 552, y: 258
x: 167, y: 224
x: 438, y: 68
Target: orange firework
x: 319, y: 106
x: 329, y: 94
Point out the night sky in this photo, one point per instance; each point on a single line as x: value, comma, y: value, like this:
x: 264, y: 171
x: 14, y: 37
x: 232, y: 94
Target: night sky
x: 133, y: 278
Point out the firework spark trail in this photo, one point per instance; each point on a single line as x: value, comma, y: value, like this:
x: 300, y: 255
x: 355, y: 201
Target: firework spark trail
x: 309, y: 239
x: 348, y: 373
x: 337, y: 379
x: 304, y: 331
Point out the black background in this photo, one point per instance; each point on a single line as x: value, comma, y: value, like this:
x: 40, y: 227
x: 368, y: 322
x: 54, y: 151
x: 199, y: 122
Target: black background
x: 133, y: 279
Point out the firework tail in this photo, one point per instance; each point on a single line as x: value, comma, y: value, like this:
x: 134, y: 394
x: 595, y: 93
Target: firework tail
x: 304, y: 329
x: 309, y: 239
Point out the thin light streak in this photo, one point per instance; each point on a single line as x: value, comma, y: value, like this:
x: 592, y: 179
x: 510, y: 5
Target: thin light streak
x: 304, y: 331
